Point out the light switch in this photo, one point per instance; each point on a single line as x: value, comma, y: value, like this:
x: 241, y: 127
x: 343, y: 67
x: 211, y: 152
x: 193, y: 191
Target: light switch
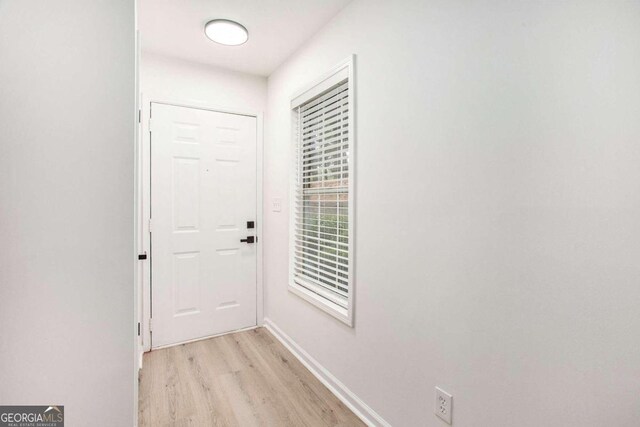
x: 276, y: 204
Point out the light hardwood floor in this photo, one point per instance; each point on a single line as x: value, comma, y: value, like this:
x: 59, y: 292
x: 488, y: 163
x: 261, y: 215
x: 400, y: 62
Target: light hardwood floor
x: 241, y: 379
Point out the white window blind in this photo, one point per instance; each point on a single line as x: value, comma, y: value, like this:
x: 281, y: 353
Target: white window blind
x: 321, y: 195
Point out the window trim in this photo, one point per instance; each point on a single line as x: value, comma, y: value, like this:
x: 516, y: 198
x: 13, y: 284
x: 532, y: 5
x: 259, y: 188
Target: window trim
x: 319, y: 85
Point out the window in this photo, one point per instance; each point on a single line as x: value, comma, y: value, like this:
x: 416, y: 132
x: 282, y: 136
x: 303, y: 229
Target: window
x: 321, y: 250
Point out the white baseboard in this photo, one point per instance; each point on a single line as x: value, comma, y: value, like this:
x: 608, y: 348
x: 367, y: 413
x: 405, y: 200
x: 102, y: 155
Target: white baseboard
x: 353, y: 402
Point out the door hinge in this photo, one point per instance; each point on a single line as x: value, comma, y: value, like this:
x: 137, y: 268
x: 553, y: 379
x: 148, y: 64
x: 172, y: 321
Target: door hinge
x: 150, y: 125
x: 138, y: 328
x: 139, y: 116
x: 150, y: 327
x: 149, y: 225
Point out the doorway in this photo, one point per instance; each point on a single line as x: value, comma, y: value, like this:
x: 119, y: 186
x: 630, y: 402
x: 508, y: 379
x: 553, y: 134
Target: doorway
x: 203, y: 223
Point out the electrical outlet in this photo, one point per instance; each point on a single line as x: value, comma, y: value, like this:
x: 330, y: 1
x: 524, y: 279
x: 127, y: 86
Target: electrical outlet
x: 276, y: 204
x: 444, y: 405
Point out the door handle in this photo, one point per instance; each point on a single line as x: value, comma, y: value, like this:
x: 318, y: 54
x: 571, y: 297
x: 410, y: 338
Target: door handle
x: 249, y: 239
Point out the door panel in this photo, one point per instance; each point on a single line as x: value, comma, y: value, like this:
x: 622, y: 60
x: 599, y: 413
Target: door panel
x: 203, y: 192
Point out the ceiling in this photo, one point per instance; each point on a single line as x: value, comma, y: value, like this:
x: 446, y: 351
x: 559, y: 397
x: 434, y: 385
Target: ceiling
x: 276, y: 29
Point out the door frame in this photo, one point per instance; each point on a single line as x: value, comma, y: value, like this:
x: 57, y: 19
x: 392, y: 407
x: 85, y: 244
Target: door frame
x: 144, y: 204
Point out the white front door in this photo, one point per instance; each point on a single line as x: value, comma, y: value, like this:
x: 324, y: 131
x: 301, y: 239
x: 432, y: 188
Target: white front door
x: 203, y: 194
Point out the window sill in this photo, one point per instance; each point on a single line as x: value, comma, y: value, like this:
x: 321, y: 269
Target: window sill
x: 340, y: 313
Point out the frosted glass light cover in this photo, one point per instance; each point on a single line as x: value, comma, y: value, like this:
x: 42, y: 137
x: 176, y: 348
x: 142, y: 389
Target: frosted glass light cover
x: 226, y: 32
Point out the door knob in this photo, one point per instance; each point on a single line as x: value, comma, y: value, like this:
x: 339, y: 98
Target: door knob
x: 249, y: 239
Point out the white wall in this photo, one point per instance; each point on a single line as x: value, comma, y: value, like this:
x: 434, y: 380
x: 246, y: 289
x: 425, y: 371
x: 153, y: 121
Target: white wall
x: 498, y: 206
x: 66, y: 218
x: 171, y: 80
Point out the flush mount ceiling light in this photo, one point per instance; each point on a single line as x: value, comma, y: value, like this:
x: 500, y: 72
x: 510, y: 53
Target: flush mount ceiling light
x: 226, y: 32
